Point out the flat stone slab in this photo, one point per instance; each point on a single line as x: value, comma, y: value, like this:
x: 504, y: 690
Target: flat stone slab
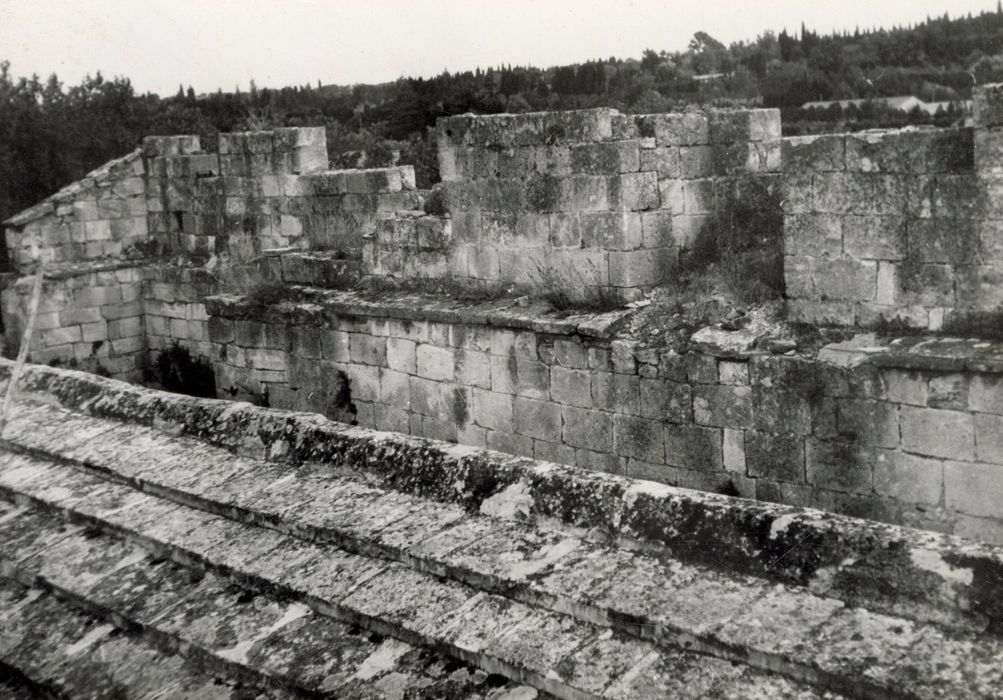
x: 224, y: 627
x: 917, y: 353
x: 246, y: 636
x: 317, y: 305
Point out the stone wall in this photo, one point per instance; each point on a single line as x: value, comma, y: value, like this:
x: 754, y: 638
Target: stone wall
x: 90, y: 318
x: 901, y: 227
x: 914, y: 441
x: 174, y: 308
x: 591, y: 197
x: 196, y: 222
x: 879, y: 229
x: 266, y: 190
x: 101, y: 216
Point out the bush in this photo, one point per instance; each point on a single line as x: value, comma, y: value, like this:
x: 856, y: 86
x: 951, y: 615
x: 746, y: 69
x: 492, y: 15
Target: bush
x: 178, y: 371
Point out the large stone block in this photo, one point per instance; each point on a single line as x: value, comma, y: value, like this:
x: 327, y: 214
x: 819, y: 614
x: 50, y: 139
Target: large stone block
x: 428, y: 397
x: 773, y: 456
x: 606, y: 158
x: 988, y: 151
x: 261, y: 358
x: 696, y: 162
x: 492, y: 410
x: 938, y: 433
x: 611, y: 230
x: 589, y: 429
x: 874, y: 238
x: 813, y: 234
x: 657, y: 229
x: 975, y: 489
x: 840, y: 466
x: 985, y: 393
x: 664, y: 161
x: 891, y: 152
x: 367, y: 349
x: 640, y: 268
x: 989, y: 438
x: 813, y: 153
x: 395, y: 389
x: 334, y: 345
x: 902, y: 386
x: 666, y: 400
x: 633, y: 192
x: 401, y: 355
x: 932, y: 285
x: 838, y: 279
x: 639, y: 438
x: 842, y: 193
x: 908, y: 478
x: 435, y: 363
x: 868, y: 422
x: 540, y: 419
x: 723, y: 406
x: 473, y: 368
x: 693, y: 447
x: 572, y: 387
x: 686, y: 129
x: 938, y: 240
x: 734, y: 450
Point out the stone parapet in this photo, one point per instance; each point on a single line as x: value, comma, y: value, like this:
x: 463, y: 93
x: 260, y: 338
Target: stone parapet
x: 592, y: 197
x: 892, y: 432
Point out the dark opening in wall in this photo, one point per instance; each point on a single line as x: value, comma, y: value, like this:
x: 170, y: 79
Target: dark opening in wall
x: 177, y: 370
x: 179, y: 220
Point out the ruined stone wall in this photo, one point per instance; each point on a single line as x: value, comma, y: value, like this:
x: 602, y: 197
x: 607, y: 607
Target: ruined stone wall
x: 916, y: 440
x: 591, y: 197
x: 265, y: 190
x: 903, y: 226
x: 99, y: 217
x: 174, y: 308
x: 196, y: 222
x: 90, y: 318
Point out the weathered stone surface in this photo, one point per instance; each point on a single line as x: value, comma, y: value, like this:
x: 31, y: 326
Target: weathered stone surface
x: 708, y: 503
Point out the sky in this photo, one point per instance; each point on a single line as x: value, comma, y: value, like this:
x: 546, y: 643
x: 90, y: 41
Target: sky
x: 212, y: 44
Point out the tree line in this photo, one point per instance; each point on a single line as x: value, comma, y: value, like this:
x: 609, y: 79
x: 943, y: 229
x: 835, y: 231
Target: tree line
x: 52, y: 134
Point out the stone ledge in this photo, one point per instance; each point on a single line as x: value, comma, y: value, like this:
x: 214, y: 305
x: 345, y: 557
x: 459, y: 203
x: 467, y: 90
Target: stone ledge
x: 854, y: 560
x: 79, y: 269
x: 315, y: 307
x: 917, y: 353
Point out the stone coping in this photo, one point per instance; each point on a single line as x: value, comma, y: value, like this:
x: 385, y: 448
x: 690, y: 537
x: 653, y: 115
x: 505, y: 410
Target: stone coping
x: 78, y: 269
x: 87, y: 182
x: 315, y: 306
x: 917, y: 353
x: 858, y: 561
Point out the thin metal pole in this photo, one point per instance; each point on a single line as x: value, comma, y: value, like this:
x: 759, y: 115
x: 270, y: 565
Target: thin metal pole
x: 15, y: 375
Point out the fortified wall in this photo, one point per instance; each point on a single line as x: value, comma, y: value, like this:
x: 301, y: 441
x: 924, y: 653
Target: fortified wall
x: 887, y: 230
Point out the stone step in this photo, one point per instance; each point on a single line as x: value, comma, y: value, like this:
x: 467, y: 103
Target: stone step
x: 549, y: 651
x: 52, y: 649
x: 672, y: 604
x: 898, y: 571
x: 233, y: 631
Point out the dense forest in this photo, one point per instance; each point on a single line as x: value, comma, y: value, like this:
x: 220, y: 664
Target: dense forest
x: 51, y: 134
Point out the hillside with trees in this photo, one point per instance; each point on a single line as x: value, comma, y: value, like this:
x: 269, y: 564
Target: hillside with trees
x: 52, y: 134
